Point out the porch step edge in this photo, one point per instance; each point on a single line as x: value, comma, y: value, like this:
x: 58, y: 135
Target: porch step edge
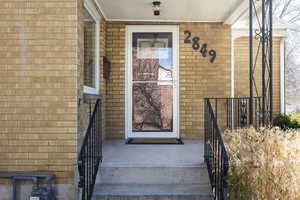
x: 152, y: 165
x: 131, y: 190
x: 152, y: 175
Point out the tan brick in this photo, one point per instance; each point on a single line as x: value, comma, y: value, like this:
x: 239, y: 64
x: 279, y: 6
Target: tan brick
x: 38, y: 86
x: 198, y: 77
x: 241, y: 52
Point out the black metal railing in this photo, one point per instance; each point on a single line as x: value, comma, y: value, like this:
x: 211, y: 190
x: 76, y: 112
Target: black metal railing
x: 221, y: 114
x: 233, y: 113
x: 215, y: 154
x: 91, y: 152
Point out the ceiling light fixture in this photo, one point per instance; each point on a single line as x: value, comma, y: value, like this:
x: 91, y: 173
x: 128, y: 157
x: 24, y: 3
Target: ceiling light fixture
x: 156, y: 7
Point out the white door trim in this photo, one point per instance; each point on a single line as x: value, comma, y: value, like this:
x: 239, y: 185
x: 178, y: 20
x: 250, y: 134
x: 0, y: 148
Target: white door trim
x: 128, y: 81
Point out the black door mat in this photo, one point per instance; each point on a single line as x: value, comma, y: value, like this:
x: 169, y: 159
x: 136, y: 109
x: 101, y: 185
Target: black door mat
x: 154, y: 141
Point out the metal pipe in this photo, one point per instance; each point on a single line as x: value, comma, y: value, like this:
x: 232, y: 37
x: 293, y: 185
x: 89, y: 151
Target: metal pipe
x: 264, y: 87
x: 271, y: 57
x: 251, y: 60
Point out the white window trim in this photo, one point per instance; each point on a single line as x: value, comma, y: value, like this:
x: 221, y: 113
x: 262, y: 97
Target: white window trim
x: 88, y: 5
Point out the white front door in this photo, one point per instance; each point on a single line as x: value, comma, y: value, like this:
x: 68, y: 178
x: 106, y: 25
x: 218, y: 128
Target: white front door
x: 152, y: 81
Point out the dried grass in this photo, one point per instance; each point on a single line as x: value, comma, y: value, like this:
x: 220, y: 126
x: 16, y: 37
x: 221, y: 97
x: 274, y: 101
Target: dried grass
x: 264, y: 164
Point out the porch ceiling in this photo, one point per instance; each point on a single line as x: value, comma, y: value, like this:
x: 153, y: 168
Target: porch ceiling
x: 171, y: 10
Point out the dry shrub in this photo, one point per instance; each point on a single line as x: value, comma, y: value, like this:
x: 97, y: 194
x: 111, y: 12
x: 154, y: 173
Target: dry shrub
x: 264, y: 164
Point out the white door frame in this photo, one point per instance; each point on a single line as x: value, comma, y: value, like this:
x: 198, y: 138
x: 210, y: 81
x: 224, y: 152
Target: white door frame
x: 128, y: 82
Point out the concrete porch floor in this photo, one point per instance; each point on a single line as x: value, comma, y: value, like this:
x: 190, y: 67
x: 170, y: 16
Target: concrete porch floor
x: 117, y: 153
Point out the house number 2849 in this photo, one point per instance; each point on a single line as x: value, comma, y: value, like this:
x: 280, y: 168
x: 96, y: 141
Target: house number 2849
x: 201, y: 47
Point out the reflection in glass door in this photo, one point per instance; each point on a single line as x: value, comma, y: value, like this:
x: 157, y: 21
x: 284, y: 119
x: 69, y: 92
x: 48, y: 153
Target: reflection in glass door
x: 152, y: 85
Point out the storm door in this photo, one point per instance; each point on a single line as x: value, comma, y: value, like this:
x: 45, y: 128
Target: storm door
x: 152, y: 75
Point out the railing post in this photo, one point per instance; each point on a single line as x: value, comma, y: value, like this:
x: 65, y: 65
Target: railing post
x: 251, y: 61
x: 263, y: 38
x: 271, y: 58
x: 80, y: 183
x: 205, y: 131
x: 90, y: 110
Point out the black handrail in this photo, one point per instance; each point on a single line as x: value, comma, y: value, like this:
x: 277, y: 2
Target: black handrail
x: 221, y: 114
x: 215, y: 154
x: 91, y: 153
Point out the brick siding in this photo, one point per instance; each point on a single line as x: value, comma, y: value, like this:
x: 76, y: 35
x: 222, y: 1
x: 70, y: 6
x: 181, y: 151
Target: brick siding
x: 198, y: 77
x: 241, y: 52
x: 38, y: 91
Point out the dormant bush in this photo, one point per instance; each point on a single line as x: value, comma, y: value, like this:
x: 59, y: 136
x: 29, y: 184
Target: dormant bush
x: 264, y: 164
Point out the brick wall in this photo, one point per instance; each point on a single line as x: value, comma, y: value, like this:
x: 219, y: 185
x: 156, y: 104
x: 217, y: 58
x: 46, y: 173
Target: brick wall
x: 38, y: 89
x: 198, y: 77
x: 115, y: 104
x: 103, y: 85
x: 41, y: 75
x: 241, y: 58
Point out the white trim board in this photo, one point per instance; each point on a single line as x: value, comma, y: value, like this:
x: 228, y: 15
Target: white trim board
x: 232, y: 68
x: 282, y: 76
x: 128, y: 76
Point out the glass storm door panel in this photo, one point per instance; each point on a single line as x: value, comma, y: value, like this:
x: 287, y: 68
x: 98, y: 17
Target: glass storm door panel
x: 152, y: 85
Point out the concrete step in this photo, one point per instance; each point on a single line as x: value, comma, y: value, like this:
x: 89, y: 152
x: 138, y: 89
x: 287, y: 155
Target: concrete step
x: 153, y: 175
x: 152, y: 172
x: 152, y: 192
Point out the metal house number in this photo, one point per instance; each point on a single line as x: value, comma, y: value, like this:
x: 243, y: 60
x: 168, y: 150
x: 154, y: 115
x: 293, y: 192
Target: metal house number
x: 196, y: 46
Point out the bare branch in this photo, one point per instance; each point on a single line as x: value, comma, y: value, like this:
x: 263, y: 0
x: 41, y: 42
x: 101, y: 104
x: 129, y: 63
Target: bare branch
x: 285, y: 8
